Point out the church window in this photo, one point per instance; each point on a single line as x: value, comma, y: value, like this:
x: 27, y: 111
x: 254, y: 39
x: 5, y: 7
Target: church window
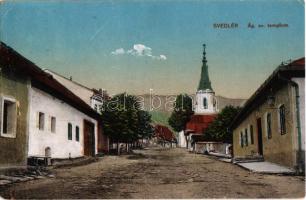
x: 205, y: 103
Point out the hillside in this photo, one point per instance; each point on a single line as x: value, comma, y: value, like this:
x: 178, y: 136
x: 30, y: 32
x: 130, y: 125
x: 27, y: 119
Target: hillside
x: 164, y: 103
x: 161, y: 106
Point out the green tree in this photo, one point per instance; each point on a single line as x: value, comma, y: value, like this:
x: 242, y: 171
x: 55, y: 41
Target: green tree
x: 123, y: 121
x: 218, y: 129
x: 181, y: 113
x: 145, y: 129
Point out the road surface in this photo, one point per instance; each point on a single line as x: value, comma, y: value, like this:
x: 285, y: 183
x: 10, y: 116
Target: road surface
x: 158, y: 173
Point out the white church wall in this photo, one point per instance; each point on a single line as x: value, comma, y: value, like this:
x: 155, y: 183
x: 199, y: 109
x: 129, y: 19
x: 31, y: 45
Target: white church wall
x: 211, y: 102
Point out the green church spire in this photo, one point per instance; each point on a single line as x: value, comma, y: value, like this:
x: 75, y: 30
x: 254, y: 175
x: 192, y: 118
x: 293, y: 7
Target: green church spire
x: 204, y: 82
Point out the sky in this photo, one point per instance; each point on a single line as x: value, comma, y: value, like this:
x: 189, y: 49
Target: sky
x: 135, y: 46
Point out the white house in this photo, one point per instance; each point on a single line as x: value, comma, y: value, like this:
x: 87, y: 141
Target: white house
x: 92, y: 97
x: 58, y: 130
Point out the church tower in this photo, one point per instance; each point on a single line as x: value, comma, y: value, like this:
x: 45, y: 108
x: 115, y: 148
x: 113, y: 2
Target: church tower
x: 206, y: 102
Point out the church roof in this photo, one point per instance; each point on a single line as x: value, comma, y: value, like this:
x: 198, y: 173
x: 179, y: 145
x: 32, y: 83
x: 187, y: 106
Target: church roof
x: 204, y: 80
x: 198, y: 123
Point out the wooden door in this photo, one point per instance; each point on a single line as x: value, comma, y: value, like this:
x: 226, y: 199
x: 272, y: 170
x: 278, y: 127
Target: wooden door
x: 89, y: 138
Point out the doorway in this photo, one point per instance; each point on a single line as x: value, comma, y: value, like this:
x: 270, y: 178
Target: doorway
x: 89, y: 138
x: 259, y: 136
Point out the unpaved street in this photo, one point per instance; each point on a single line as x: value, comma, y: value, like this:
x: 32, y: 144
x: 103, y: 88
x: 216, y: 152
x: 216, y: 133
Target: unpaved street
x: 158, y: 173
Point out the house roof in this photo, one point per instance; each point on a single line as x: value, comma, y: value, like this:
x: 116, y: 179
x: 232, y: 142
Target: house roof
x: 76, y: 83
x: 43, y: 80
x: 287, y: 70
x: 198, y: 123
x: 163, y: 132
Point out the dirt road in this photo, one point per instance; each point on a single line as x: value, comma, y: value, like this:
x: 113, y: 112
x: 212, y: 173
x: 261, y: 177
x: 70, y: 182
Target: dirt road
x: 158, y: 173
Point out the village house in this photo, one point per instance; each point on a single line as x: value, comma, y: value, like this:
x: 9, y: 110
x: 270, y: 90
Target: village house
x: 39, y: 116
x: 93, y: 97
x: 271, y: 125
x: 164, y: 136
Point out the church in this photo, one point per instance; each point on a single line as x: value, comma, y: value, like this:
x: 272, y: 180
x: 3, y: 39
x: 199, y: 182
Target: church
x: 205, y: 111
x: 205, y: 108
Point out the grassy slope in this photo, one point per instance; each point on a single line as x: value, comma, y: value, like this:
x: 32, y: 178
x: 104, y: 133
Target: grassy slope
x: 159, y: 117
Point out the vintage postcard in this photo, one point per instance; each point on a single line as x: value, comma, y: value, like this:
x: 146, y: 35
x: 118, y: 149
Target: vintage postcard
x: 152, y: 99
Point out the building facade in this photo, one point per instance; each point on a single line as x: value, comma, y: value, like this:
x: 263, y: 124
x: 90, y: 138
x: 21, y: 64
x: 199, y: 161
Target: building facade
x: 272, y: 122
x: 58, y: 130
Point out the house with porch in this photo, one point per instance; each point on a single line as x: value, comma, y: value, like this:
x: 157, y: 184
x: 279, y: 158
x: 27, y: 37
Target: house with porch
x: 40, y: 117
x: 271, y: 125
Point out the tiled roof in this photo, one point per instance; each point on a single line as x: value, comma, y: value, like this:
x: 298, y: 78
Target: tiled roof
x: 163, y: 132
x: 198, y: 123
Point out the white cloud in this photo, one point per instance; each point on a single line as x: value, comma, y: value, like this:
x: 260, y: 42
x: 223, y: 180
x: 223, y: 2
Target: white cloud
x: 139, y: 50
x: 162, y: 57
x: 119, y: 51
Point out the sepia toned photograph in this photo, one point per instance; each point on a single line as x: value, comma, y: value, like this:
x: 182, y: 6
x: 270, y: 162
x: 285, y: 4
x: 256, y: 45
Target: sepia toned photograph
x: 152, y: 99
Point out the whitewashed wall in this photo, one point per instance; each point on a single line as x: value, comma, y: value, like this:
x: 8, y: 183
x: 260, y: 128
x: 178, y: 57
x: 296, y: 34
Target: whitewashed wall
x: 210, y: 96
x: 60, y: 146
x: 181, y: 139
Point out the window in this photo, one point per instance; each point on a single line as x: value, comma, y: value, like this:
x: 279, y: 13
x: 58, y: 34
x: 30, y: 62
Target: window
x: 246, y: 137
x: 77, y: 133
x: 205, y: 103
x: 41, y: 121
x: 241, y: 139
x: 269, y: 128
x: 69, y: 131
x: 251, y: 134
x: 215, y: 103
x: 8, y: 117
x: 282, y: 119
x: 53, y: 124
